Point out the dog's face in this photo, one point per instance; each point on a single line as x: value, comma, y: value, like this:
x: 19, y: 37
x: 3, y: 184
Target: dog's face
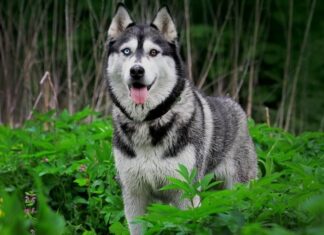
x: 143, y: 65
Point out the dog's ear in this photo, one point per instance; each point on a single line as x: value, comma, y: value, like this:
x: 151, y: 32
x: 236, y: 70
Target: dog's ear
x: 164, y: 23
x: 120, y: 21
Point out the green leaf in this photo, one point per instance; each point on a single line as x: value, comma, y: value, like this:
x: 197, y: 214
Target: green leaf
x: 48, y: 221
x: 118, y: 229
x: 82, y: 181
x: 184, y: 172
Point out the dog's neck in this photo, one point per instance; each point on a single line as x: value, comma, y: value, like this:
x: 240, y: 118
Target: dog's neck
x: 160, y: 110
x: 167, y: 104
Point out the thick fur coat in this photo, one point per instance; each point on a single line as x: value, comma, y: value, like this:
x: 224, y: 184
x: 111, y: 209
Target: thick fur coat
x: 162, y: 121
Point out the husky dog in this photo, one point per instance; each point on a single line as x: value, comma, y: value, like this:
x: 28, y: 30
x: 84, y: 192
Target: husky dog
x: 162, y: 121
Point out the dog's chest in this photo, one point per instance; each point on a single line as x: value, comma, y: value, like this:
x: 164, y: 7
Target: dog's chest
x: 141, y: 137
x: 149, y: 169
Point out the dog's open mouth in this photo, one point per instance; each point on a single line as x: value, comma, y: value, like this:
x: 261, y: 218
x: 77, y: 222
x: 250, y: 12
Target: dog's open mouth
x: 139, y: 92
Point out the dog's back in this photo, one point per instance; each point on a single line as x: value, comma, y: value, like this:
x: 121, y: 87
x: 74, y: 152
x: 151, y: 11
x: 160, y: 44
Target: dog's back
x: 233, y: 153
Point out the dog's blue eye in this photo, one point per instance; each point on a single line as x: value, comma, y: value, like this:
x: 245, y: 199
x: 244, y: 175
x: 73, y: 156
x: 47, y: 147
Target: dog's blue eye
x: 126, y: 51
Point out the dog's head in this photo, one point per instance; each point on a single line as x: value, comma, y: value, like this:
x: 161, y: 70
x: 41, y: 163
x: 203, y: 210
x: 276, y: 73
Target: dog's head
x: 143, y: 67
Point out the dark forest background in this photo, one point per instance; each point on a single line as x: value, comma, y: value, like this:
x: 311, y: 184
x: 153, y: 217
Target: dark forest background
x: 266, y: 54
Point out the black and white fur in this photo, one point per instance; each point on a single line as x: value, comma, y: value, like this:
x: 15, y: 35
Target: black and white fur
x: 176, y: 125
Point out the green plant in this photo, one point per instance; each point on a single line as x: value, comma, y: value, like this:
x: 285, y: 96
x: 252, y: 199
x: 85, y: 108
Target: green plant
x: 72, y: 158
x: 62, y: 166
x: 288, y: 198
x: 189, y: 186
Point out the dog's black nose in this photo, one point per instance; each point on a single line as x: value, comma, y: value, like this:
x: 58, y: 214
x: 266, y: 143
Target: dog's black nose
x: 137, y: 72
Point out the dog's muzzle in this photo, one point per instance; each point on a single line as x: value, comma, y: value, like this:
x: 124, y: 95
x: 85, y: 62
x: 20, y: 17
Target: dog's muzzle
x: 137, y: 86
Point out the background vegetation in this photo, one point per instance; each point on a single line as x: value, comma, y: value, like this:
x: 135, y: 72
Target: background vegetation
x: 57, y: 174
x: 265, y: 54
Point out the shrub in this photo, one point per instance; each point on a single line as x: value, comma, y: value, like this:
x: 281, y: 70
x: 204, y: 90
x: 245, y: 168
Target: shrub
x: 57, y: 176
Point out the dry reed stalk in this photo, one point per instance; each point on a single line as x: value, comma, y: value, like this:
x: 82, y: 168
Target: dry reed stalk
x: 98, y: 55
x: 46, y: 88
x: 210, y: 47
x: 298, y: 67
x: 267, y: 116
x: 282, y: 106
x: 236, y: 44
x: 69, y: 53
x: 204, y: 76
x: 258, y: 7
x: 188, y: 43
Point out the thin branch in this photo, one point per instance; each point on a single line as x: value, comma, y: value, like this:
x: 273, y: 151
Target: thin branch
x: 237, y: 37
x: 203, y: 78
x: 253, y: 52
x: 188, y: 43
x: 282, y: 106
x: 267, y: 115
x: 68, y: 37
x: 299, y: 65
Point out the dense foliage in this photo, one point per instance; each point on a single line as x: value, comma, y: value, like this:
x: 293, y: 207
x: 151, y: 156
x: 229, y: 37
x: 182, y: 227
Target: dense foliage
x: 57, y: 176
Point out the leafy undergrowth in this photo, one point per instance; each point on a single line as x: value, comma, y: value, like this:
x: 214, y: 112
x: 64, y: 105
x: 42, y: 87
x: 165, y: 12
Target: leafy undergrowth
x: 57, y: 176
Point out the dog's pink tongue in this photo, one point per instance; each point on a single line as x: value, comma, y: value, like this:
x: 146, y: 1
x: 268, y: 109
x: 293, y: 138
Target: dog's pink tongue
x: 139, y: 95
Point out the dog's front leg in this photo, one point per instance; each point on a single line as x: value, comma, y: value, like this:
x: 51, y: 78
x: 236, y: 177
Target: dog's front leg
x: 135, y: 205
